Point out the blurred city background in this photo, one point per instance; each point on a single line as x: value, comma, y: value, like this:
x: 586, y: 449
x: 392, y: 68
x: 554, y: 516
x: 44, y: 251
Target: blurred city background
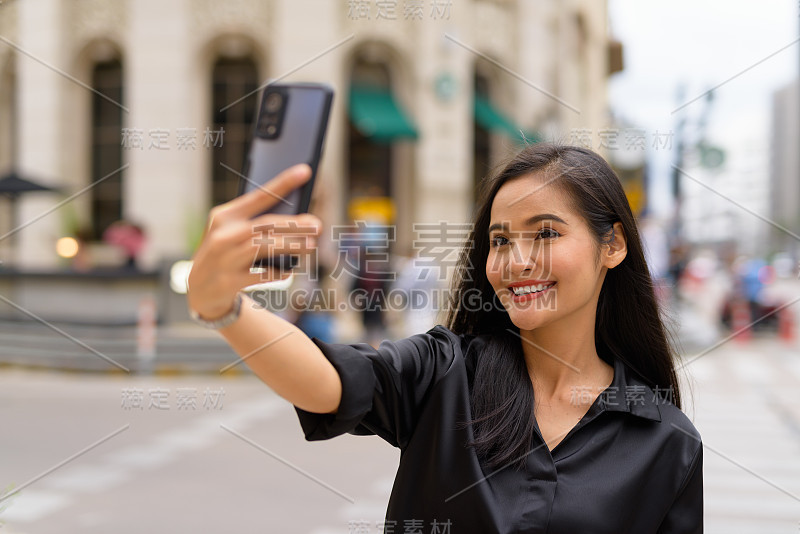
x: 122, y: 123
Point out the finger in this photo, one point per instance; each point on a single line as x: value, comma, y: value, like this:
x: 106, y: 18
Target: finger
x: 273, y: 192
x: 220, y: 215
x: 225, y: 237
x: 303, y: 224
x: 246, y: 254
x: 275, y: 245
x: 269, y: 275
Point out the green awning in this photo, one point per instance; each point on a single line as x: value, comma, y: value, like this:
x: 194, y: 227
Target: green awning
x: 492, y: 119
x: 377, y: 115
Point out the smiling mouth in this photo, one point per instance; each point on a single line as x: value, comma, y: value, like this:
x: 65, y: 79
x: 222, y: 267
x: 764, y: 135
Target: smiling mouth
x: 526, y: 290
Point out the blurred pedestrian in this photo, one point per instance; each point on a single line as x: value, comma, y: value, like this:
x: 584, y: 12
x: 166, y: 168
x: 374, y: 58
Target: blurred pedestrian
x: 420, y: 281
x: 127, y: 236
x: 656, y: 247
x: 314, y: 316
x: 371, y: 282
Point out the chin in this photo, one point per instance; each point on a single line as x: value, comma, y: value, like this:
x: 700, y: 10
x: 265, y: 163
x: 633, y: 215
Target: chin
x: 529, y: 319
x: 527, y: 323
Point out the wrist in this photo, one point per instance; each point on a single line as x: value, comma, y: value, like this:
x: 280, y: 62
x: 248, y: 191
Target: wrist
x: 218, y: 318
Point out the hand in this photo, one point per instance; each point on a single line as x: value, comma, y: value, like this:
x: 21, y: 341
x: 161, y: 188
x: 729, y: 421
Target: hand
x: 235, y: 237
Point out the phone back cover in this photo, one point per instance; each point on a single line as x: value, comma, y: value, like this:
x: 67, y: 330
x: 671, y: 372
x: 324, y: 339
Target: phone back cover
x: 300, y: 141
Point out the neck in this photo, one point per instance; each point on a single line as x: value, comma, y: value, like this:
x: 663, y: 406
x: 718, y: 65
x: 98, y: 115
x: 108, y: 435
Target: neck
x: 562, y: 355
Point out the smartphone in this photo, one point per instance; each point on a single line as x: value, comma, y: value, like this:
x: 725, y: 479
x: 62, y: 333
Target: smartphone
x: 289, y: 129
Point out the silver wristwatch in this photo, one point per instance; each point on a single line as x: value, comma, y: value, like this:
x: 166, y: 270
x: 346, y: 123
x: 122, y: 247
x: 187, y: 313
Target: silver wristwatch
x: 223, y: 321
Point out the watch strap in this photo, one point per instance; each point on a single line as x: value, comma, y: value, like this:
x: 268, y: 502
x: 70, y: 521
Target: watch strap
x: 225, y: 320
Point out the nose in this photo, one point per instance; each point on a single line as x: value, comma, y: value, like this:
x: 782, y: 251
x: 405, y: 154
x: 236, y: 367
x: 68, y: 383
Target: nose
x: 522, y: 259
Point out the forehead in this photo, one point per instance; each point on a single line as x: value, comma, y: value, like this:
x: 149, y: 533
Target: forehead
x: 530, y: 194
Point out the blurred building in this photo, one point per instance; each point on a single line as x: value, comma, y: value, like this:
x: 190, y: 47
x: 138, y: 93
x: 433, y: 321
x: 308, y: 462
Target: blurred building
x: 785, y: 169
x: 723, y: 204
x: 145, y: 107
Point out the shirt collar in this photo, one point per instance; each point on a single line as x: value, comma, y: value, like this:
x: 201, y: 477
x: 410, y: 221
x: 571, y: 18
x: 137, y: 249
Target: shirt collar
x: 627, y: 393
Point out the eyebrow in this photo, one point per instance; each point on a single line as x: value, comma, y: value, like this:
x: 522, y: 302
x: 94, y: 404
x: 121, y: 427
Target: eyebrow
x: 530, y: 221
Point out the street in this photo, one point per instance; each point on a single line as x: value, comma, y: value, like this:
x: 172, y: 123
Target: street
x: 746, y: 409
x: 240, y: 465
x: 200, y: 453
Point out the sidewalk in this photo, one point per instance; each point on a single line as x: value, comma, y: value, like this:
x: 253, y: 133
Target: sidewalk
x: 179, y: 348
x: 186, y: 347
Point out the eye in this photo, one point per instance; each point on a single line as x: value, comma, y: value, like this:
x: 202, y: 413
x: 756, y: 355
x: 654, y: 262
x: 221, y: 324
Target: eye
x: 497, y: 241
x: 548, y: 233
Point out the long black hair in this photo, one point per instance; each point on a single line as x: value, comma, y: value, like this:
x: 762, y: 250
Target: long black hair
x: 629, y: 324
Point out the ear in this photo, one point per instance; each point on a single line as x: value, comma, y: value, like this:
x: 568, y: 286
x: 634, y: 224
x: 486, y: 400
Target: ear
x: 616, y: 249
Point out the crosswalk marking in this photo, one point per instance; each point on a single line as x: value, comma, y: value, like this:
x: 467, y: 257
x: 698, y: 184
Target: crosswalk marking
x: 736, y: 396
x: 86, y: 478
x: 792, y: 363
x: 750, y: 367
x: 121, y: 465
x: 31, y: 505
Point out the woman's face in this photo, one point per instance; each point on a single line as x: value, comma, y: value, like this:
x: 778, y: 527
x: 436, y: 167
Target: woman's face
x: 542, y: 262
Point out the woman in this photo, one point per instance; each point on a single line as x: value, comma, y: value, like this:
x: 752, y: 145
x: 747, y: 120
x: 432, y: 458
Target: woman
x: 549, y: 403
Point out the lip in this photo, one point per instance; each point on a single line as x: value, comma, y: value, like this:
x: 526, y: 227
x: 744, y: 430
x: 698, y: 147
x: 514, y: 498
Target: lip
x: 530, y: 296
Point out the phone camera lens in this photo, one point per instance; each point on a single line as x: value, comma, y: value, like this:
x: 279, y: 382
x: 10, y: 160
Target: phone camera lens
x: 274, y: 101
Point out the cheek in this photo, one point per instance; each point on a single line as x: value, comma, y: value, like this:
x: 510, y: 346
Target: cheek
x: 576, y: 266
x: 492, y: 274
x: 495, y: 270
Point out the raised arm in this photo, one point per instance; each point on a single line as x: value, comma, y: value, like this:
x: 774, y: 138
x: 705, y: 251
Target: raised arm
x: 279, y: 353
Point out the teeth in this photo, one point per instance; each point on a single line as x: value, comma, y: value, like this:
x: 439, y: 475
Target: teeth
x: 524, y: 290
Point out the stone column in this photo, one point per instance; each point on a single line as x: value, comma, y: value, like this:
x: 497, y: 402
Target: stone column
x: 162, y: 185
x: 298, y: 38
x: 443, y: 189
x: 40, y: 122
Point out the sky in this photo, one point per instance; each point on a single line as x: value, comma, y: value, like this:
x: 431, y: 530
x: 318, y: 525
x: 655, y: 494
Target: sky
x: 701, y: 44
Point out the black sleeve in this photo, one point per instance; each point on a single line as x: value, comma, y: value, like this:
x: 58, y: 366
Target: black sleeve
x: 685, y: 516
x: 383, y: 389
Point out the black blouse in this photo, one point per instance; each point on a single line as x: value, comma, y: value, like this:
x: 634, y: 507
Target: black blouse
x: 632, y: 464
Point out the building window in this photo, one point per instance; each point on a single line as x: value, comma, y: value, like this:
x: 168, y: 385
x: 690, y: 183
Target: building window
x: 7, y: 110
x: 106, y: 131
x: 8, y: 139
x: 370, y: 161
x: 231, y: 80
